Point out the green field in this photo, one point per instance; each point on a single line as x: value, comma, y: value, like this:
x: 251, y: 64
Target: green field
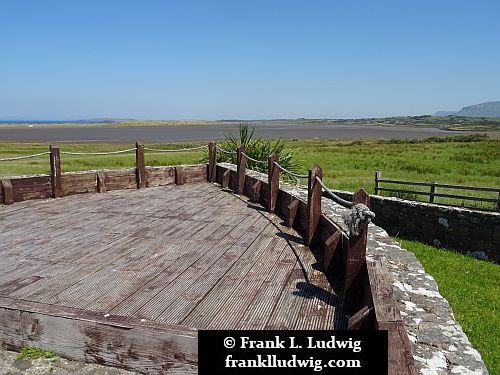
x: 472, y: 287
x: 472, y: 160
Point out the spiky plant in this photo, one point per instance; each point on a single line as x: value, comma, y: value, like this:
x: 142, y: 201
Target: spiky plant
x: 257, y: 148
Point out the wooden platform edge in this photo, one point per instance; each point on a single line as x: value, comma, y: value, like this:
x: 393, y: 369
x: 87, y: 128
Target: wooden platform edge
x: 41, y: 186
x: 382, y: 312
x: 388, y: 317
x: 123, y: 342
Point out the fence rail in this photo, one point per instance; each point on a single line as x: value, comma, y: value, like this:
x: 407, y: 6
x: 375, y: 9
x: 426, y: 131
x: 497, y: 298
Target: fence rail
x: 432, y: 193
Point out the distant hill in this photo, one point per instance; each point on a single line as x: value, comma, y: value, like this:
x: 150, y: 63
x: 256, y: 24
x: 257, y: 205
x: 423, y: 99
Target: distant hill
x: 445, y: 113
x: 488, y: 109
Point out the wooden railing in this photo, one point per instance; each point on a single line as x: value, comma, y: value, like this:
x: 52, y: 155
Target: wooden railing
x: 432, y: 193
x: 368, y: 298
x: 58, y: 184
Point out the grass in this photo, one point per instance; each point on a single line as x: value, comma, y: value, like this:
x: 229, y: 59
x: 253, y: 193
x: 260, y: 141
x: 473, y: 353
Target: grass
x: 471, y: 160
x: 72, y: 163
x: 472, y: 287
x: 34, y: 353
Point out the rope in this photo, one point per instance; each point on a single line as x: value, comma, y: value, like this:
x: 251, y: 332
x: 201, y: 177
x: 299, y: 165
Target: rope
x: 25, y: 157
x: 98, y: 153
x: 177, y: 150
x: 334, y: 196
x: 224, y: 151
x: 255, y: 160
x: 296, y: 175
x: 359, y: 214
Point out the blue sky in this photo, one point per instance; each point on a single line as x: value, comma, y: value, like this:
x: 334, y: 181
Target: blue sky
x: 217, y: 59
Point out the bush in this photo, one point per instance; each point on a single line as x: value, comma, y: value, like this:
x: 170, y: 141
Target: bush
x: 258, y: 149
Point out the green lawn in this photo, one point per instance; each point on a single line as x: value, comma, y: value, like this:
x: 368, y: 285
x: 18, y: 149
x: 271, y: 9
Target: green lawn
x: 472, y: 287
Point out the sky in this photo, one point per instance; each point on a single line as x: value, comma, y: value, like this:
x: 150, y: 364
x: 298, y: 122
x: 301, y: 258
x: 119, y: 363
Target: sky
x: 259, y: 59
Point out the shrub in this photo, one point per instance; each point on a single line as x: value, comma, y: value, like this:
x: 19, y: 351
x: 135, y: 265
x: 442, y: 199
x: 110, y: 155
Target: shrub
x: 258, y: 149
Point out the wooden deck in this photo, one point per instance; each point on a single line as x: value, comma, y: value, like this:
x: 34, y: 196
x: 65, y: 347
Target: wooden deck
x: 192, y: 255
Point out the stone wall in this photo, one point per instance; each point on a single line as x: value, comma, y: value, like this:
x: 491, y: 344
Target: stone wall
x: 468, y: 231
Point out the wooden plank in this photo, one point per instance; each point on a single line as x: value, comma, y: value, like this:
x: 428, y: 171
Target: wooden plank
x: 387, y: 317
x: 384, y: 302
x: 212, y: 162
x: 355, y: 260
x: 291, y: 213
x: 400, y: 357
x: 273, y: 181
x: 255, y: 193
x: 225, y: 179
x: 114, y: 341
x: 180, y: 177
x: 31, y: 187
x: 55, y: 171
x: 314, y: 193
x: 329, y: 249
x: 120, y: 179
x: 140, y: 171
x: 101, y: 182
x: 7, y: 191
x: 241, y: 163
x: 359, y: 319
x: 195, y: 173
x: 78, y: 183
x: 160, y: 176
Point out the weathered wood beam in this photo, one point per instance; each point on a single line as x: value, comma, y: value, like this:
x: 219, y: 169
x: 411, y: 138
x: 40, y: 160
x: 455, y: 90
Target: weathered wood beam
x: 212, y: 162
x: 329, y: 249
x: 387, y: 317
x: 256, y: 191
x: 180, y: 175
x: 314, y: 192
x: 140, y: 169
x: 7, y: 191
x: 291, y: 213
x: 225, y: 178
x: 101, y: 182
x: 355, y: 259
x: 81, y: 335
x: 273, y: 180
x: 55, y: 171
x: 359, y: 319
x: 241, y: 164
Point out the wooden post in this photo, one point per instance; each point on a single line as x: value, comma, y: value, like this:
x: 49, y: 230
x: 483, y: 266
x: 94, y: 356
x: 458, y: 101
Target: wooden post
x: 101, y: 182
x: 180, y: 176
x: 433, y: 191
x: 377, y: 177
x: 273, y: 181
x: 7, y: 191
x: 55, y: 171
x: 498, y: 202
x: 355, y: 260
x: 140, y: 169
x: 314, y: 192
x: 212, y: 162
x: 241, y: 164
